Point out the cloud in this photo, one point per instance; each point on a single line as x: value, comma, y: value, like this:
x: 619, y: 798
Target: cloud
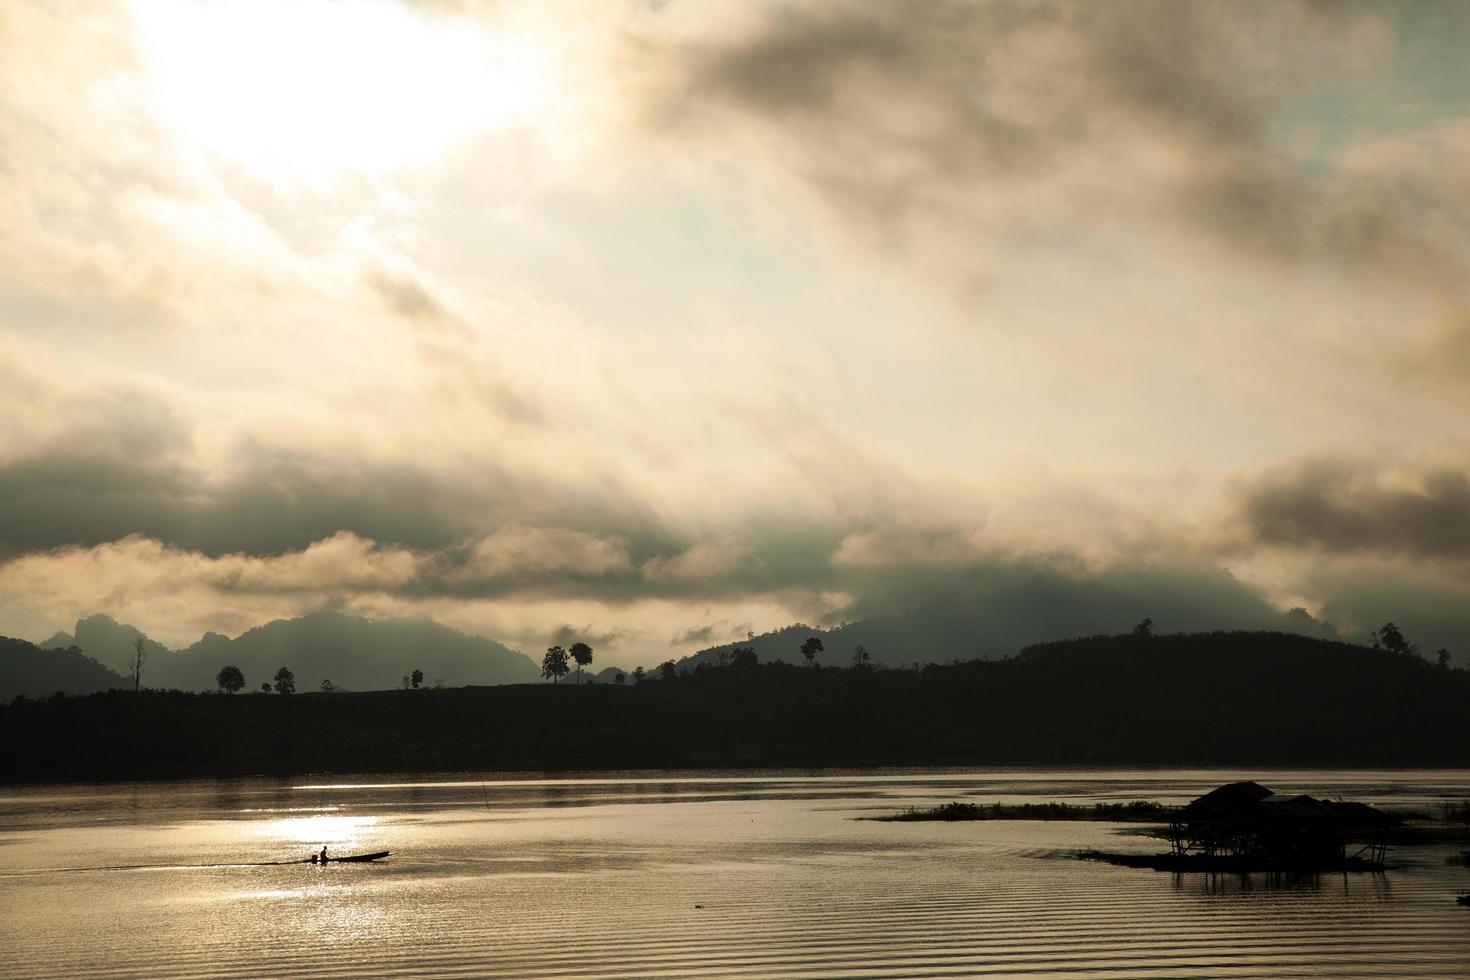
x: 87, y: 465
x: 695, y: 636
x: 522, y: 553
x: 272, y: 500
x: 651, y: 397
x: 1350, y: 506
x: 715, y: 632
x: 723, y: 559
x: 961, y: 135
x: 1360, y: 593
x: 408, y: 298
x: 566, y: 634
x: 911, y: 547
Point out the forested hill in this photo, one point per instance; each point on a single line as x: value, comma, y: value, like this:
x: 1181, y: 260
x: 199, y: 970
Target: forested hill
x: 27, y: 670
x: 990, y: 624
x: 1225, y: 699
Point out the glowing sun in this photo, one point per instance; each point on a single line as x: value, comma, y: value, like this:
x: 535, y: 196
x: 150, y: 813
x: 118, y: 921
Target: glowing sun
x: 309, y: 88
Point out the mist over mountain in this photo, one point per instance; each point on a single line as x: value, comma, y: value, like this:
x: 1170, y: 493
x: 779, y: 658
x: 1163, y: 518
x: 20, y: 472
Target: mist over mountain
x: 352, y: 652
x: 355, y: 653
x: 108, y: 642
x: 998, y: 615
x: 986, y: 616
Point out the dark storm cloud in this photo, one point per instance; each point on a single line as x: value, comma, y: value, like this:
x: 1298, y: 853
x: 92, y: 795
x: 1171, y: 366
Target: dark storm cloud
x: 1075, y: 598
x: 120, y: 465
x: 424, y: 536
x: 277, y: 503
x: 994, y: 608
x: 1350, y: 507
x: 127, y: 468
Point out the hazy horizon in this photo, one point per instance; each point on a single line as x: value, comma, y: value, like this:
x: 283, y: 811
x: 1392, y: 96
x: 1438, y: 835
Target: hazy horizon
x: 661, y: 323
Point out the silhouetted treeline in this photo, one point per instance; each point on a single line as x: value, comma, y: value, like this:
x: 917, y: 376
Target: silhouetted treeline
x: 1235, y: 699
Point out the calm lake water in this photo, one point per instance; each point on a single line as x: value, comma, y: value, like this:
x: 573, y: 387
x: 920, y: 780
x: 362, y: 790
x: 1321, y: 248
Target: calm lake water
x: 679, y: 875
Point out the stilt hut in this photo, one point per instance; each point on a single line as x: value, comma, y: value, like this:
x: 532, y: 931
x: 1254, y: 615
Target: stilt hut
x: 1252, y: 825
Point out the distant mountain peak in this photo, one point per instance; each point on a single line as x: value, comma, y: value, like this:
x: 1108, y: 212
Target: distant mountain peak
x: 60, y: 640
x: 354, y: 652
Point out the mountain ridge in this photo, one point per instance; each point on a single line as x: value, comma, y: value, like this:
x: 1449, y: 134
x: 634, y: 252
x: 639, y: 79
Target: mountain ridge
x: 1224, y: 699
x: 352, y: 652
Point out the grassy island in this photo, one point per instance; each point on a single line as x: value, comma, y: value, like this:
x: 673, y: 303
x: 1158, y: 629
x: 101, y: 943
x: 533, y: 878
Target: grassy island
x: 1138, y: 811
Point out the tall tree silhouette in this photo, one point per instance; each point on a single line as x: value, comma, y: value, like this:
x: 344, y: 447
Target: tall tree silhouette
x: 554, y: 664
x: 136, y: 661
x: 285, y: 682
x: 416, y: 678
x: 582, y: 654
x: 810, y: 648
x: 230, y: 679
x: 1393, y: 640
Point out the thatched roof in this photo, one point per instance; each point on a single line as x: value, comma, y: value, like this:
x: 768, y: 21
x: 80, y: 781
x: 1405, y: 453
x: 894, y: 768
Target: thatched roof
x: 1251, y: 804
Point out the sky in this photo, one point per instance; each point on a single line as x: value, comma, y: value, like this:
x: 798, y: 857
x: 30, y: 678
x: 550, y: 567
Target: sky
x: 657, y: 323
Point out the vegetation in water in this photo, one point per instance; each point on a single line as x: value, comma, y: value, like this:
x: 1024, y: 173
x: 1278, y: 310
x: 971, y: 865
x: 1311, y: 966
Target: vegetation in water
x: 1137, y: 811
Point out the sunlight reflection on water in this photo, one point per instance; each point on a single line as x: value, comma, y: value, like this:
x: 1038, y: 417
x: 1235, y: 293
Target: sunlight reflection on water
x: 319, y: 829
x: 682, y: 875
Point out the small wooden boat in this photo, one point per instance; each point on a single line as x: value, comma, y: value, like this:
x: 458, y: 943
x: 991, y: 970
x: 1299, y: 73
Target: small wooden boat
x: 1463, y: 899
x: 351, y: 857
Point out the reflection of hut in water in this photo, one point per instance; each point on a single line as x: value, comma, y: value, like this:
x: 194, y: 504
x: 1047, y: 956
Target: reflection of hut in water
x: 1247, y: 823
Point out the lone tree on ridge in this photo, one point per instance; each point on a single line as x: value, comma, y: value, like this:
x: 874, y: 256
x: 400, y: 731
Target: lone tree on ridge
x: 1394, y: 641
x: 582, y: 654
x: 554, y: 664
x: 229, y: 679
x: 417, y: 678
x: 810, y: 648
x: 285, y: 682
x: 136, y: 662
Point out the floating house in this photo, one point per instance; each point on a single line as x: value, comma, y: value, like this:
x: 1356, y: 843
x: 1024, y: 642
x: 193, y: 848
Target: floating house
x: 1248, y: 824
